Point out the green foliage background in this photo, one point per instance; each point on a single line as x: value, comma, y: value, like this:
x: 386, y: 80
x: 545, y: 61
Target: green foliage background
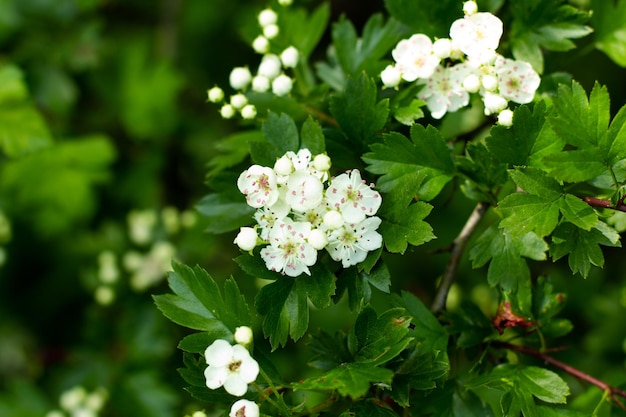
x: 108, y: 98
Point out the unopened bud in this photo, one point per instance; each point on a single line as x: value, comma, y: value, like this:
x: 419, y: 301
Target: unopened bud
x: 248, y: 112
x: 261, y: 44
x: 333, y: 219
x: 215, y: 94
x: 321, y: 162
x: 505, y: 118
x: 243, y: 335
x: 282, y: 85
x: 239, y: 78
x: 246, y: 239
x: 238, y: 101
x: 471, y: 83
x: 267, y: 17
x: 227, y: 111
x: 317, y: 239
x: 442, y: 48
x: 391, y: 76
x: 270, y: 31
x: 470, y: 7
x: 289, y: 57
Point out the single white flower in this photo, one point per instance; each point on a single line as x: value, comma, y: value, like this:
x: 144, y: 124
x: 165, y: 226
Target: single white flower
x: 391, y: 76
x: 244, y: 408
x: 349, y: 194
x: 518, y: 81
x: 140, y: 225
x: 260, y: 84
x: 270, y: 66
x: 240, y: 77
x: 267, y: 17
x: 442, y: 48
x: 246, y: 238
x: 494, y: 103
x: 228, y: 111
x: 243, y: 335
x: 259, y: 186
x: 505, y: 118
x: 282, y: 85
x: 350, y: 243
x: 261, y: 44
x: 289, y: 57
x: 415, y: 58
x: 315, y: 215
x: 444, y: 90
x: 215, y: 94
x: 238, y: 101
x: 300, y: 160
x: 271, y: 31
x: 229, y: 366
x: 289, y: 253
x: 248, y: 112
x: 266, y: 217
x: 477, y: 34
x: 304, y: 191
x: 108, y: 272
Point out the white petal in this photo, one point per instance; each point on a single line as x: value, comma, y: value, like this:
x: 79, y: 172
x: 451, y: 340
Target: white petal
x: 234, y: 385
x: 215, y: 376
x: 219, y: 353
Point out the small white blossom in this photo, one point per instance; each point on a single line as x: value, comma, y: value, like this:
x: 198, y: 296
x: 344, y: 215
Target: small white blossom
x: 350, y: 243
x: 494, y: 103
x: 282, y: 85
x: 444, y: 90
x: 140, y: 225
x: 260, y: 84
x: 248, y: 112
x: 289, y: 253
x: 471, y: 83
x: 244, y: 408
x: 267, y: 17
x: 228, y: 111
x: 289, y: 57
x: 318, y: 239
x: 261, y: 44
x: 517, y: 80
x: 266, y: 217
x: 270, y: 66
x: 104, y: 295
x: 477, y: 34
x: 271, y: 31
x: 259, y: 186
x: 470, y: 7
x: 153, y: 266
x: 215, y: 94
x: 304, y: 191
x: 333, y: 219
x: 283, y: 166
x: 300, y: 160
x: 243, y: 335
x: 246, y: 238
x: 505, y: 118
x: 415, y: 58
x: 73, y: 398
x: 391, y: 76
x: 489, y: 82
x: 229, y: 366
x: 108, y: 271
x: 239, y: 78
x: 349, y: 194
x: 321, y: 162
x: 442, y: 48
x: 238, y: 101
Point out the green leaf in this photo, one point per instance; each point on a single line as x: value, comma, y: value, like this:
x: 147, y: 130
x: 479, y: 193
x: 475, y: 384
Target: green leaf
x: 534, y: 181
x: 144, y: 393
x: 427, y: 331
x: 305, y: 31
x: 424, y: 16
x: 232, y: 150
x: 484, y: 173
x: 357, y: 110
x: 225, y: 212
x: 359, y: 283
x: 281, y: 135
x: 407, y: 115
x: 421, y: 372
x: 609, y: 22
x: 581, y: 246
x: 312, y: 137
x: 370, y: 407
x: 404, y: 224
x: 329, y: 351
x: 350, y: 379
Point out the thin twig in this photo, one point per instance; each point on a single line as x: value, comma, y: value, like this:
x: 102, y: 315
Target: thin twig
x: 613, y: 391
x: 458, y: 246
x: 600, y: 203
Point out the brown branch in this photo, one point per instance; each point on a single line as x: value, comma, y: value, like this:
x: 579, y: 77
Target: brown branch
x: 600, y: 203
x: 613, y: 391
x: 458, y: 246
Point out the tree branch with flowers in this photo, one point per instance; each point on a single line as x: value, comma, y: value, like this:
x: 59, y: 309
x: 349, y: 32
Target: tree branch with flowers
x: 345, y: 161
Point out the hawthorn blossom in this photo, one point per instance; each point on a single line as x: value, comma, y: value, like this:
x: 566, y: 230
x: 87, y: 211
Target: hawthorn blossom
x: 517, y: 80
x: 415, y: 58
x: 244, y: 408
x: 444, y: 90
x: 246, y: 238
x: 349, y: 194
x: 243, y: 335
x: 259, y: 186
x: 289, y: 252
x: 391, y: 76
x: 229, y: 366
x: 350, y: 243
x: 477, y: 35
x: 239, y: 78
x: 266, y: 217
x: 304, y: 191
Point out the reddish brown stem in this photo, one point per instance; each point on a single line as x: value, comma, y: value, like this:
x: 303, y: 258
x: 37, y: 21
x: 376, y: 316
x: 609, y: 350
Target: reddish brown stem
x: 601, y: 203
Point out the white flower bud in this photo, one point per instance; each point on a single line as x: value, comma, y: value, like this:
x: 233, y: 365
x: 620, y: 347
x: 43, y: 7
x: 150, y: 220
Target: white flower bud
x: 267, y: 17
x: 289, y: 57
x: 471, y: 83
x: 442, y: 48
x: 248, y: 112
x: 199, y: 414
x: 261, y: 44
x: 282, y: 85
x: 238, y: 101
x: 104, y: 295
x: 96, y: 400
x: 270, y: 31
x: 505, y: 118
x: 215, y: 94
x: 239, y: 78
x: 283, y: 166
x: 246, y: 239
x: 333, y: 219
x: 72, y: 398
x: 490, y: 82
x: 318, y: 239
x: 391, y: 76
x: 270, y: 66
x: 494, y: 103
x: 243, y: 335
x: 260, y: 84
x: 470, y: 7
x: 285, y: 2
x: 321, y: 162
x: 227, y: 111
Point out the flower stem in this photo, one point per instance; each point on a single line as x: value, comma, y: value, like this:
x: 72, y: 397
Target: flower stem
x: 280, y: 404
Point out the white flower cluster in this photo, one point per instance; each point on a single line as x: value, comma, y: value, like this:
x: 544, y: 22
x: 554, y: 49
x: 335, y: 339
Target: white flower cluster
x: 270, y: 75
x: 77, y: 402
x: 296, y: 216
x: 450, y: 69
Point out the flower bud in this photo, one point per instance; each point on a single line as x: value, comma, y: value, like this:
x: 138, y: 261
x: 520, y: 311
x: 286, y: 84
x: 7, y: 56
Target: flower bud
x: 238, y: 101
x: 471, y: 83
x: 227, y: 111
x: 260, y: 84
x: 243, y: 335
x: 270, y: 66
x: 267, y: 17
x: 199, y: 414
x: 283, y: 166
x: 494, y: 103
x: 321, y: 162
x: 505, y: 118
x: 215, y: 94
x: 289, y: 57
x: 490, y: 82
x: 270, y: 31
x: 391, y: 76
x: 442, y: 48
x: 317, y: 239
x: 261, y: 44
x: 282, y: 85
x: 285, y: 2
x: 104, y: 295
x: 470, y: 7
x: 239, y: 78
x: 248, y: 112
x: 333, y: 219
x: 246, y: 239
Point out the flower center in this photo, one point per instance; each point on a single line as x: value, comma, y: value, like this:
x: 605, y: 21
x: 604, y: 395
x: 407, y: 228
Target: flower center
x: 234, y: 366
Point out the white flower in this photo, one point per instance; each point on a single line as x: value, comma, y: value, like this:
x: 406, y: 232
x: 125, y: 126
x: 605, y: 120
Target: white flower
x: 107, y: 267
x: 243, y: 335
x: 442, y: 48
x: 391, y: 76
x: 477, y: 34
x: 246, y: 238
x: 248, y: 112
x: 259, y: 186
x: 350, y: 243
x: 229, y: 366
x: 471, y: 83
x: 73, y: 398
x: 494, y: 103
x: 283, y: 166
x: 414, y: 57
x: 470, y: 7
x: 244, y: 408
x: 215, y: 94
x: 104, y: 295
x: 140, y: 225
x: 505, y: 118
x: 270, y: 66
x: 266, y: 217
x: 349, y: 194
x: 261, y: 44
x: 444, y: 90
x: 260, y: 84
x: 301, y: 159
x: 228, y: 111
x: 304, y: 191
x: 321, y: 162
x: 289, y: 253
x: 267, y: 17
x: 517, y: 80
x: 239, y: 78
x: 282, y: 85
x: 315, y: 216
x: 289, y: 57
x: 270, y: 31
x: 318, y: 239
x: 238, y: 101
x: 489, y: 82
